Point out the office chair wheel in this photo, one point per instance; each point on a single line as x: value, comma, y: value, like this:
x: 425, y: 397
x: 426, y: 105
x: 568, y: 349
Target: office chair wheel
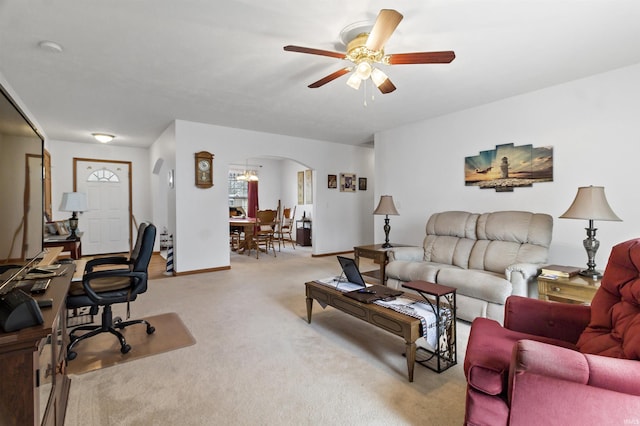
x: 150, y: 329
x: 71, y: 356
x: 126, y: 348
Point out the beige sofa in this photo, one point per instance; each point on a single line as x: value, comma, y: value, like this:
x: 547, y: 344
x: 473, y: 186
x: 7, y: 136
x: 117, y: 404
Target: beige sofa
x: 486, y: 257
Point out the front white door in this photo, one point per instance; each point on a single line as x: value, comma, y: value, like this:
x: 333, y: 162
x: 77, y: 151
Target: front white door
x: 106, y: 226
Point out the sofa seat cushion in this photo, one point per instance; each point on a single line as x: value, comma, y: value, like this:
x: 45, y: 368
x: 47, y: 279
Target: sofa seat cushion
x: 483, y: 285
x: 404, y: 270
x: 614, y: 329
x: 488, y: 355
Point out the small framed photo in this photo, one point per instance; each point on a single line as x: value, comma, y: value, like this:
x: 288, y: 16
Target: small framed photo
x: 347, y: 182
x: 362, y: 184
x: 62, y: 228
x: 332, y: 181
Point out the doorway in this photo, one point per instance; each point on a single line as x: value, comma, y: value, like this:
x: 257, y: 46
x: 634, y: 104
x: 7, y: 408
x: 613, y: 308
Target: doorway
x: 106, y: 226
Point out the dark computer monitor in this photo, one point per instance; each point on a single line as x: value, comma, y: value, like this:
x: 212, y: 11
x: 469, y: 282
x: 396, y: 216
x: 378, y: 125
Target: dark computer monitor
x: 351, y: 271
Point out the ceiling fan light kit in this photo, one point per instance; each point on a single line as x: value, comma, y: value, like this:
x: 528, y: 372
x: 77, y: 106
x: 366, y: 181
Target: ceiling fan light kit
x: 365, y: 47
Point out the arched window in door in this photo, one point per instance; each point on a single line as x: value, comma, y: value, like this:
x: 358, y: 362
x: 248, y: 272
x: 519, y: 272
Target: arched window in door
x: 103, y: 175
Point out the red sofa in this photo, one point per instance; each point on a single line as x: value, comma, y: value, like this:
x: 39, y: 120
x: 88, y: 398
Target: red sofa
x: 557, y: 364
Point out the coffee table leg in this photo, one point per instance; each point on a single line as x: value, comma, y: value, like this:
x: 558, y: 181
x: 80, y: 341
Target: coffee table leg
x: 309, y: 307
x: 411, y: 358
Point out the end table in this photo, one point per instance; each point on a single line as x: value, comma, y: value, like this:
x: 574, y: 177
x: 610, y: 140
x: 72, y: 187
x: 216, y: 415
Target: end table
x: 576, y: 290
x: 379, y: 256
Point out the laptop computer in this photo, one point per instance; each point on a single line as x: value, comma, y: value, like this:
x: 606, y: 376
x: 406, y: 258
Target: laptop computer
x: 366, y: 294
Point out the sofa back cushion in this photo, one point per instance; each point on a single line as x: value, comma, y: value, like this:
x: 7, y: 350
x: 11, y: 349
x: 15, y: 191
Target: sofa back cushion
x: 508, y: 237
x: 450, y: 238
x: 614, y: 328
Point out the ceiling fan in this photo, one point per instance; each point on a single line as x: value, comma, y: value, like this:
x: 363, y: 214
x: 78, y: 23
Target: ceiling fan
x: 365, y: 47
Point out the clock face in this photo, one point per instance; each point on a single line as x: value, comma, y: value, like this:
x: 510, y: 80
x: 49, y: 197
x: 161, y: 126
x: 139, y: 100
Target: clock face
x: 204, y: 165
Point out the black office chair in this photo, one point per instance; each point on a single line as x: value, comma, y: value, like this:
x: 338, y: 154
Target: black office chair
x: 117, y: 285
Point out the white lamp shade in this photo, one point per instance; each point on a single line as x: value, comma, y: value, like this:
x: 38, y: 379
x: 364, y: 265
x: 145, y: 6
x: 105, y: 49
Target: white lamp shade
x: 591, y: 204
x: 74, y: 202
x: 386, y: 206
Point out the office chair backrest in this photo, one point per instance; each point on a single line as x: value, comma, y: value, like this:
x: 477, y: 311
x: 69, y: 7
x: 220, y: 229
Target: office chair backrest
x: 141, y: 262
x: 136, y: 247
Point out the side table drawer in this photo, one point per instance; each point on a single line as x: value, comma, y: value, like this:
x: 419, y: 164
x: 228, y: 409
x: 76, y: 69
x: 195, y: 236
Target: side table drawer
x: 568, y: 293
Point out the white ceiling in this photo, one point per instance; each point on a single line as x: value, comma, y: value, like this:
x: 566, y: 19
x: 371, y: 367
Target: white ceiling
x: 130, y: 67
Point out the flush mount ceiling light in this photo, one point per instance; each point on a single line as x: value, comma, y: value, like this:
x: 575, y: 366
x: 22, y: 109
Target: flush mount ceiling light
x: 365, y: 48
x: 103, y: 137
x: 51, y: 46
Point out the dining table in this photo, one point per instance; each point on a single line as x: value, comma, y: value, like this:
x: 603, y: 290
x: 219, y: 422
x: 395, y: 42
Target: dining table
x: 247, y: 224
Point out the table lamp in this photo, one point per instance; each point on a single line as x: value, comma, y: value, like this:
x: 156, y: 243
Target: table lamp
x: 73, y: 202
x: 591, y: 204
x: 386, y: 207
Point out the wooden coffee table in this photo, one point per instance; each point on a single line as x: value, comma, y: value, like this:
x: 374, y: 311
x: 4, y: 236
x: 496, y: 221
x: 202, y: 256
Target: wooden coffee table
x: 394, y: 322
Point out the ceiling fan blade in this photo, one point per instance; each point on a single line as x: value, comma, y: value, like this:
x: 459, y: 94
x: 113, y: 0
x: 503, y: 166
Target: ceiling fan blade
x: 387, y: 87
x: 311, y: 51
x: 421, y: 58
x: 386, y: 23
x: 329, y: 78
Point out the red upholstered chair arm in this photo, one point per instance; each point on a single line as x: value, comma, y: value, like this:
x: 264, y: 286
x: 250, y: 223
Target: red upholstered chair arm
x: 560, y: 321
x: 544, y: 400
x: 529, y: 356
x: 620, y: 375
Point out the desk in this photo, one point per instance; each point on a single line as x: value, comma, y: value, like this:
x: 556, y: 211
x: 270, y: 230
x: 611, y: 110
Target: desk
x: 34, y: 384
x: 74, y: 245
x: 247, y: 225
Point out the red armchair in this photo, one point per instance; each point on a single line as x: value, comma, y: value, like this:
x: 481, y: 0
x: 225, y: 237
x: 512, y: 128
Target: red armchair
x: 555, y: 363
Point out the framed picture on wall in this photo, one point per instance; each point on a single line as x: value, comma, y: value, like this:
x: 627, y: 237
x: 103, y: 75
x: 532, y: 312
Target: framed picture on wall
x: 362, y: 184
x: 347, y: 182
x: 332, y: 181
x: 300, y: 187
x: 308, y: 187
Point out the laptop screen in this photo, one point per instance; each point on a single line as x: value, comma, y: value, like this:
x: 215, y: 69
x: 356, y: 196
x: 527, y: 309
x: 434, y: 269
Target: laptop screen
x: 351, y: 271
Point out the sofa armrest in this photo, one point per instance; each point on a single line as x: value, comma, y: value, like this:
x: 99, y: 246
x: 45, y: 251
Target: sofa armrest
x: 411, y: 254
x: 560, y: 321
x: 519, y: 275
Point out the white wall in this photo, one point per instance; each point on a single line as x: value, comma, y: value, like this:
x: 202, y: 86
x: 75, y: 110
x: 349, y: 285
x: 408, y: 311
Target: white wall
x: 592, y: 126
x: 340, y: 220
x: 62, y: 154
x: 163, y: 197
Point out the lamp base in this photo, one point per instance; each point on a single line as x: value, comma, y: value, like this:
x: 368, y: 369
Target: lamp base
x: 386, y: 245
x: 591, y: 273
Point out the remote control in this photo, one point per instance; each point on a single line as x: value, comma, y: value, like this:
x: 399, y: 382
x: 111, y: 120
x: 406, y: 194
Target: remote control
x: 40, y: 286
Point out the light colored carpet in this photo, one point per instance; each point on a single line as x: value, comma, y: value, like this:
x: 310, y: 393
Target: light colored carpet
x: 103, y: 350
x: 258, y: 362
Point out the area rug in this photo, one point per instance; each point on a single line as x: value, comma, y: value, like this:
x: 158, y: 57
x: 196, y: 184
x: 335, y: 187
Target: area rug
x: 103, y: 350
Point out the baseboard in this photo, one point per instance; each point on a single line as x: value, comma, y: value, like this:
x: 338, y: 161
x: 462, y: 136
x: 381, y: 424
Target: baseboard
x: 201, y: 271
x: 331, y: 254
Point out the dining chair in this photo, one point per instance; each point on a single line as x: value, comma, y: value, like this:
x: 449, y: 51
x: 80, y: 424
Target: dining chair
x: 264, y: 230
x: 284, y: 231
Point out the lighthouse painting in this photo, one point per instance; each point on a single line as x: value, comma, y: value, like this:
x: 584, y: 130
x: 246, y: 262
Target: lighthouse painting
x: 508, y: 166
